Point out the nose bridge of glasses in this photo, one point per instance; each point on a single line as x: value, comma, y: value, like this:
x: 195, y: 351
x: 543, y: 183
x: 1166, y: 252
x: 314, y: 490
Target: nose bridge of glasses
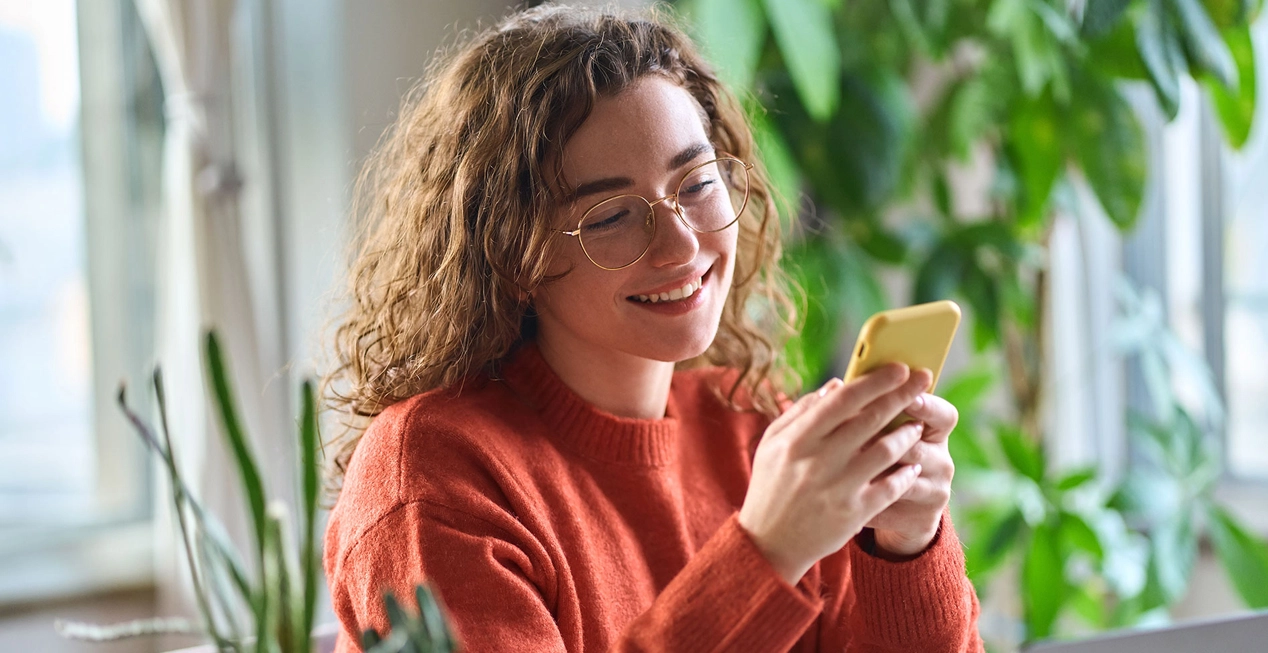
x: 677, y: 208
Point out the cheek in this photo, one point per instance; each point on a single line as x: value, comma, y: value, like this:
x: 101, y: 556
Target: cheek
x: 575, y: 295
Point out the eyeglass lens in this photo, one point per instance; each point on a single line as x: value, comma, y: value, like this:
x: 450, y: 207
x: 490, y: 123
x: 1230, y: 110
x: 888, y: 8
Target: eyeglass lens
x: 616, y: 232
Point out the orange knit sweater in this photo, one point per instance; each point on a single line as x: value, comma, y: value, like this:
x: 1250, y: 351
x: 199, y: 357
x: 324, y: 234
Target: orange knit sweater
x: 545, y: 524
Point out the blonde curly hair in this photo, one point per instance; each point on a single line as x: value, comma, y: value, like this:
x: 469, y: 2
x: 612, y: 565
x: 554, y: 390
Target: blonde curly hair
x: 455, y: 208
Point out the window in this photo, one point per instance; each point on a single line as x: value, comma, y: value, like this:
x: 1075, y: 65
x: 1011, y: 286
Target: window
x: 80, y: 136
x: 1245, y: 271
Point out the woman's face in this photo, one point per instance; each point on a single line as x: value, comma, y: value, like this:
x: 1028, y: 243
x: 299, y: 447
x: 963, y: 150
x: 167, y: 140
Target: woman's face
x: 641, y: 141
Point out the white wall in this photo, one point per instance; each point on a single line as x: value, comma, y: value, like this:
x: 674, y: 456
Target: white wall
x: 342, y: 69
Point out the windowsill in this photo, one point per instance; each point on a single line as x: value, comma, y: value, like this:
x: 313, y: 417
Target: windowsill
x: 50, y: 566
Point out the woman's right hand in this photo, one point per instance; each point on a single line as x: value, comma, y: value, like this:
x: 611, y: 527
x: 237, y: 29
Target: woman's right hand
x: 821, y: 471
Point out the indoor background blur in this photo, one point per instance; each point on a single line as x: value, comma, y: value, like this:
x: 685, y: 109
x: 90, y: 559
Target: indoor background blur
x: 1089, y: 179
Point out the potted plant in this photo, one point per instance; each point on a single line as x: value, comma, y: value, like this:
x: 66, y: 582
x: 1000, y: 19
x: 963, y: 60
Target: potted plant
x: 279, y: 600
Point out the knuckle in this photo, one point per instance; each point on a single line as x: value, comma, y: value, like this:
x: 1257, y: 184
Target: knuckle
x: 942, y: 493
x: 891, y: 447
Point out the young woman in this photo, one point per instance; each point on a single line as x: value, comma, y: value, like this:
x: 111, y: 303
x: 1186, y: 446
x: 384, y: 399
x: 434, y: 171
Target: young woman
x: 563, y: 329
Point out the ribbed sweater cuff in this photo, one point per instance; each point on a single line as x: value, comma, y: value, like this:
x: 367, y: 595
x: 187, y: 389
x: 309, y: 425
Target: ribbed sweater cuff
x: 765, y: 613
x: 910, y: 602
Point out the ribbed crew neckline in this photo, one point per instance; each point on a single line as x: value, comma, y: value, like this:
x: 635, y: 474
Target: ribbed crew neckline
x: 584, y: 428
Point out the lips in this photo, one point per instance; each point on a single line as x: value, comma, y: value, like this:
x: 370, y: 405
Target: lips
x: 676, y: 291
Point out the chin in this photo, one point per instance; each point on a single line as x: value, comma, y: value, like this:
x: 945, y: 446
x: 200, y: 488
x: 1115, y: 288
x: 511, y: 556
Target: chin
x: 676, y: 349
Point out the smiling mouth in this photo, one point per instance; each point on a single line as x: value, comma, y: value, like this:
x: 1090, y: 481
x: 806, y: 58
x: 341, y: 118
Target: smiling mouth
x: 677, y: 294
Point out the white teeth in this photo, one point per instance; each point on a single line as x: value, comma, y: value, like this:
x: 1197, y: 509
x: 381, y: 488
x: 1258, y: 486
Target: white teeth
x: 675, y: 294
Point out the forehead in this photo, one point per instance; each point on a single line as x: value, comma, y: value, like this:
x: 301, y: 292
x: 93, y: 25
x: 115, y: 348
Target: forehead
x: 649, y: 122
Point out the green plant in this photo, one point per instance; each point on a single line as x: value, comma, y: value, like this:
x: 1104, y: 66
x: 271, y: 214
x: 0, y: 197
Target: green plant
x: 280, y: 599
x: 1112, y: 554
x: 869, y: 110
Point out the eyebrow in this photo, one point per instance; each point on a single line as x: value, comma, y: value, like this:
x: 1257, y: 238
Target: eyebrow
x: 687, y: 155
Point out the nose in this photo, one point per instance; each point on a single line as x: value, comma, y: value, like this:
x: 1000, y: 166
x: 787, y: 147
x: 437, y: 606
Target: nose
x: 674, y: 243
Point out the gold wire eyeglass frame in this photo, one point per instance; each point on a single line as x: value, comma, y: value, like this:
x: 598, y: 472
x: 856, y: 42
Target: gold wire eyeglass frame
x: 651, y: 208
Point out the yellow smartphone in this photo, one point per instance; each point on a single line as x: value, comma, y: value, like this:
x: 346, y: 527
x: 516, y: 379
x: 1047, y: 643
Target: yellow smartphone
x: 919, y: 336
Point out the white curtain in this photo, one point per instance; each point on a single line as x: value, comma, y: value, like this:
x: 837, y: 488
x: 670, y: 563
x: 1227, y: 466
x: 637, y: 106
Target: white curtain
x: 203, y: 277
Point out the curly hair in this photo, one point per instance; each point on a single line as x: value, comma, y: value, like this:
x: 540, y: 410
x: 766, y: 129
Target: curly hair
x: 456, y: 203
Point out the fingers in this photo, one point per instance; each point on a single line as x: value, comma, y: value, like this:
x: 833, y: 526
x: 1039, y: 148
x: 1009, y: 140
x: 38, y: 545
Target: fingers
x: 844, y: 401
x: 804, y: 403
x: 939, y: 416
x: 885, y: 490
x: 882, y: 453
x: 882, y: 410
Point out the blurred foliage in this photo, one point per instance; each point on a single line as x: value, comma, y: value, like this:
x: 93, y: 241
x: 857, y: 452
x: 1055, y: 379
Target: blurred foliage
x: 864, y: 113
x: 279, y: 601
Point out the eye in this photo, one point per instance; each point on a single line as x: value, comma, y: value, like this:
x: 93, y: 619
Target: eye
x: 606, y: 221
x: 699, y: 186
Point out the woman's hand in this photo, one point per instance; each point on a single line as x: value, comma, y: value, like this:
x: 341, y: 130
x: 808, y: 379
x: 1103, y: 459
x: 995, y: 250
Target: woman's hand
x: 908, y: 525
x: 822, y: 472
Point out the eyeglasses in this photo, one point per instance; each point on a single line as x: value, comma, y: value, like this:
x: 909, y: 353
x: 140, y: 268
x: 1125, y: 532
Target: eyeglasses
x: 618, y: 231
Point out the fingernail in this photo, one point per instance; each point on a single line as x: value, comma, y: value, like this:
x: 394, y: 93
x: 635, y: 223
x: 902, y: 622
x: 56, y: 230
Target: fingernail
x: 915, y: 469
x: 919, y: 401
x: 831, y: 384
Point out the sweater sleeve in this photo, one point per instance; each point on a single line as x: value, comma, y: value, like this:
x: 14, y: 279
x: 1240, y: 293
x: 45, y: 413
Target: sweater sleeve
x: 923, y: 604
x: 499, y: 595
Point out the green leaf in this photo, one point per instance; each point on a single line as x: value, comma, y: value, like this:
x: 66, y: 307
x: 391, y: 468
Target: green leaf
x: 1116, y: 54
x: 839, y: 287
x: 804, y: 32
x: 876, y: 241
x: 909, y: 24
x: 1160, y: 50
x: 1043, y: 585
x: 1236, y: 110
x: 1089, y: 605
x: 732, y: 32
x: 434, y: 623
x: 1203, y: 41
x: 1147, y: 495
x: 982, y: 293
x: 942, y: 196
x: 993, y: 532
x: 310, y: 468
x: 1245, y: 558
x: 1110, y: 148
x: 1076, y: 478
x: 1101, y: 16
x: 778, y: 159
x: 1226, y: 13
x: 247, y: 468
x: 1174, y: 548
x: 855, y: 161
x: 1035, y: 143
x: 940, y: 274
x: 974, y: 107
x: 1126, y: 554
x: 966, y: 390
x: 1076, y: 535
x: 813, y: 348
x: 369, y: 639
x: 1024, y: 455
x: 966, y: 449
x: 989, y: 234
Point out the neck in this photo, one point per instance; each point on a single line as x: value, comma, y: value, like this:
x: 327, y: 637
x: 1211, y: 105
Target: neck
x: 615, y: 382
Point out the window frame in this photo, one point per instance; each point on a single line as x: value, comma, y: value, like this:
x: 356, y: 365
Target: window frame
x: 114, y: 549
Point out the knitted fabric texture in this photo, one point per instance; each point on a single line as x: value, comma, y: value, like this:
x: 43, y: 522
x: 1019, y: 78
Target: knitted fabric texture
x: 546, y: 524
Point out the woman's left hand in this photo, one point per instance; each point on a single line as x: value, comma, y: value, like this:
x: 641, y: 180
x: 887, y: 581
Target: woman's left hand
x: 907, y: 526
